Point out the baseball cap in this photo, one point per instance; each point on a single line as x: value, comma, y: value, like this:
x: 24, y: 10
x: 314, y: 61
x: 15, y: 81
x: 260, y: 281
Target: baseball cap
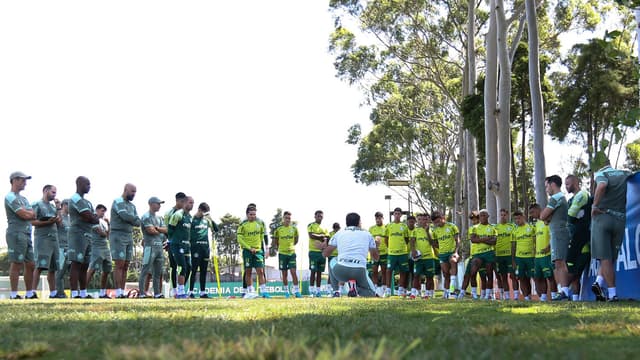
x: 155, y: 200
x: 18, y: 175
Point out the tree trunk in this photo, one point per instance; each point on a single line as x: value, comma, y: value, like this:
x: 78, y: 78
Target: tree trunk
x: 523, y: 164
x: 470, y: 141
x: 537, y: 109
x: 504, y: 117
x: 490, y: 125
x: 514, y: 175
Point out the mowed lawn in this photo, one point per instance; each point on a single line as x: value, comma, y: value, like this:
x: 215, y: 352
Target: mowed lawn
x: 345, y: 328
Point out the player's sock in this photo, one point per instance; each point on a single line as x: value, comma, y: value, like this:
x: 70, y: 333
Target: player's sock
x: 516, y: 294
x: 263, y: 289
x: 489, y: 293
x: 575, y: 297
x: 103, y: 292
x: 118, y: 292
x: 53, y: 293
x: 14, y: 294
x: 543, y: 297
x: 612, y: 292
x: 554, y: 294
x: 526, y: 298
x: 414, y: 291
x: 474, y: 291
x: 483, y: 292
x: 29, y: 293
x: 600, y: 281
x: 74, y: 293
x: 445, y: 295
x: 296, y: 288
x: 83, y: 293
x: 312, y: 290
x: 566, y: 291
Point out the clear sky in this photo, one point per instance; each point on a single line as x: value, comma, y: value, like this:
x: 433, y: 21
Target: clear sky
x: 231, y: 102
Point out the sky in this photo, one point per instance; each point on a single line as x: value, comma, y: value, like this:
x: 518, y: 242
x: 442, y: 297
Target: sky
x: 231, y: 102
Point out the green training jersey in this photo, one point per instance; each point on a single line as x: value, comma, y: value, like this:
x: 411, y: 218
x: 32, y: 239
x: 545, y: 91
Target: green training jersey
x: 250, y: 235
x: 151, y: 220
x: 422, y: 243
x: 524, y: 237
x: 397, y: 235
x: 378, y: 233
x: 78, y: 205
x: 315, y: 228
x: 45, y: 210
x: 167, y: 218
x: 124, y: 215
x: 542, y: 239
x: 615, y: 195
x: 503, y: 241
x: 181, y: 223
x: 335, y: 251
x: 446, y: 237
x: 12, y: 203
x: 483, y: 230
x: 200, y: 231
x: 287, y: 236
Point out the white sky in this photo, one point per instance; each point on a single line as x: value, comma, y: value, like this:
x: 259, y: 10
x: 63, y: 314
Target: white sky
x: 231, y: 102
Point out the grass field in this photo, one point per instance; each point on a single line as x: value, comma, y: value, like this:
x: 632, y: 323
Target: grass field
x: 345, y: 328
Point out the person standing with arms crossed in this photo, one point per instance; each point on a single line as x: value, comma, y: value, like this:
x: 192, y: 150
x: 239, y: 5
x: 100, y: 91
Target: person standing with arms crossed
x: 83, y: 218
x: 123, y: 218
x: 63, y: 246
x: 556, y: 214
x: 153, y: 233
x: 19, y: 216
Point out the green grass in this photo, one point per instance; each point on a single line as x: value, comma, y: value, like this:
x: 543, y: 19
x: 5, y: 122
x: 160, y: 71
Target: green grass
x: 344, y: 328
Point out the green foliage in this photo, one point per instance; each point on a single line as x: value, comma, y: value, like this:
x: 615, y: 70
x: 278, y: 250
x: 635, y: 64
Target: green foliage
x: 4, y: 263
x: 276, y: 221
x: 344, y: 328
x: 633, y: 155
x: 228, y: 247
x: 599, y: 97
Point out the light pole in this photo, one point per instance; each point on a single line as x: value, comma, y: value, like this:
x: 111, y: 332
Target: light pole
x: 402, y: 182
x: 388, y: 197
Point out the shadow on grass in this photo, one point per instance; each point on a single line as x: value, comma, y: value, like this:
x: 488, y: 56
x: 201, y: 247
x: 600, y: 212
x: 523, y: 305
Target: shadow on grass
x: 317, y: 329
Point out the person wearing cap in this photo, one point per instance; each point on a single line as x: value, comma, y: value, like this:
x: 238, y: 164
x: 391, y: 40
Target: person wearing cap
x: 379, y: 267
x: 181, y: 198
x: 504, y: 266
x: 46, y: 238
x: 100, y: 253
x: 83, y: 218
x: 201, y: 224
x: 124, y: 217
x: 353, y: 244
x: 19, y: 216
x: 446, y: 235
x: 181, y: 245
x: 63, y: 246
x: 154, y: 231
x: 397, y: 239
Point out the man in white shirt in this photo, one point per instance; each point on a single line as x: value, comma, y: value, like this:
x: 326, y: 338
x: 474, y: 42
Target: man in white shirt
x: 352, y: 243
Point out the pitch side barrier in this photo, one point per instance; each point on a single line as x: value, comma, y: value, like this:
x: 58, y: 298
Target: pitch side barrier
x: 628, y: 264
